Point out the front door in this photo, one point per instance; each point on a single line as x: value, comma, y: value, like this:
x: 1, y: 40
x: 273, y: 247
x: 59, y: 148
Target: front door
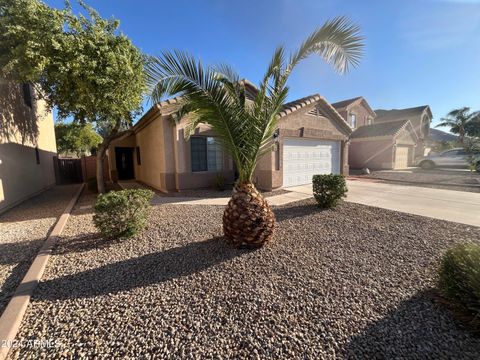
x: 124, y: 161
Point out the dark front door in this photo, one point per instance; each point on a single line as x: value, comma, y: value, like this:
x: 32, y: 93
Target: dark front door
x: 124, y: 160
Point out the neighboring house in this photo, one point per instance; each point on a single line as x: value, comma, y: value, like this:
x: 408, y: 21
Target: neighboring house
x: 27, y: 144
x: 356, y: 112
x: 438, y: 139
x: 420, y: 117
x: 388, y: 145
x: 312, y: 138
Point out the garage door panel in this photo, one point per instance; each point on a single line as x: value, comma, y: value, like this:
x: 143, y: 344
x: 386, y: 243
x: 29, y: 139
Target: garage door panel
x: 402, y: 156
x: 304, y: 158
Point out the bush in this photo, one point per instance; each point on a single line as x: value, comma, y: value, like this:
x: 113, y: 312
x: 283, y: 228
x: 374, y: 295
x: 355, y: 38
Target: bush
x: 220, y: 182
x: 122, y: 213
x: 328, y: 190
x: 460, y: 277
x: 92, y: 184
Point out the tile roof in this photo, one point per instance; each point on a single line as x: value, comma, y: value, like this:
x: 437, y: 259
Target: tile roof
x: 382, y: 129
x: 439, y: 135
x: 345, y: 103
x: 397, y: 114
x: 292, y: 106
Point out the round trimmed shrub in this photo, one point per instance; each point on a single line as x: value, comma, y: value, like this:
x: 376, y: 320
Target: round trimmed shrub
x: 122, y: 213
x: 328, y: 190
x: 460, y: 276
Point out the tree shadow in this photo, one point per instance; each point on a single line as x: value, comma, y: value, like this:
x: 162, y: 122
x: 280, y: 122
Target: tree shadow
x: 10, y: 253
x: 418, y: 328
x: 142, y: 271
x: 294, y: 211
x: 17, y: 121
x: 83, y: 243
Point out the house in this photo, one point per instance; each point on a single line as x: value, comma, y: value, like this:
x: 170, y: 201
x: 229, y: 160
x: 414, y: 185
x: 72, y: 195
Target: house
x: 391, y: 146
x: 388, y: 145
x: 420, y: 117
x: 312, y: 138
x: 356, y: 112
x: 27, y: 144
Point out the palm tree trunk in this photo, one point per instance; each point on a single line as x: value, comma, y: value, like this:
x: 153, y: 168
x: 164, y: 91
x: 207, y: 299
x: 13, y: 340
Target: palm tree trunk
x: 248, y: 220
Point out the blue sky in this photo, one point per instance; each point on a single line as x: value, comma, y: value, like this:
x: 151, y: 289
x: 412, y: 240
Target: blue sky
x: 417, y: 51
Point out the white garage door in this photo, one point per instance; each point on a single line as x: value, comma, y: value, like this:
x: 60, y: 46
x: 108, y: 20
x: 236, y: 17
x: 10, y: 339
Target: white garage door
x: 402, y: 156
x: 304, y: 158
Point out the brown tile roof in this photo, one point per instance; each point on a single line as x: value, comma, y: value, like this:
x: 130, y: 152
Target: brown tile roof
x: 382, y: 129
x: 345, y: 103
x: 294, y: 105
x: 439, y: 135
x: 398, y: 114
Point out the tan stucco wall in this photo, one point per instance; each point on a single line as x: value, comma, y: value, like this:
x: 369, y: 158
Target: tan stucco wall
x: 22, y: 130
x: 374, y: 154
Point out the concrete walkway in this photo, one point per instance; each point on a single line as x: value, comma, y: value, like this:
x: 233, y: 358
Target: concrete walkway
x: 457, y: 206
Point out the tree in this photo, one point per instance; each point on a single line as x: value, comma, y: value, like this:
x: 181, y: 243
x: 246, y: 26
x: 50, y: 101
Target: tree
x: 79, y: 64
x: 459, y: 120
x: 215, y: 95
x: 76, y: 138
x: 472, y: 128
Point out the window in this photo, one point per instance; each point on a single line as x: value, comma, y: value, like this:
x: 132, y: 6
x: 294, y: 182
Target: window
x: 139, y: 160
x: 206, y: 154
x: 353, y: 121
x: 27, y: 94
x: 37, y: 155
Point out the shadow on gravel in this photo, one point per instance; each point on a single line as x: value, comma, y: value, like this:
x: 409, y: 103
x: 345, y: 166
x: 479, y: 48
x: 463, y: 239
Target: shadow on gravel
x: 12, y: 253
x: 418, y: 328
x: 291, y: 212
x: 83, y: 243
x: 142, y: 271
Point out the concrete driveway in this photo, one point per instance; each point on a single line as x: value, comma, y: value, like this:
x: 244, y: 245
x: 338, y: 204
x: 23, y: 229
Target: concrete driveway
x: 457, y: 206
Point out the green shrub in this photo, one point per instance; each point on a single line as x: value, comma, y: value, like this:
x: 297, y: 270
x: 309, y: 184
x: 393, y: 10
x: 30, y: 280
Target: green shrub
x: 220, y: 182
x: 328, y: 190
x: 122, y: 213
x: 460, y: 277
x: 92, y: 184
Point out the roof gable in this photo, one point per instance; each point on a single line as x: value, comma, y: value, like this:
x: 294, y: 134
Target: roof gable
x: 347, y: 104
x: 402, y: 114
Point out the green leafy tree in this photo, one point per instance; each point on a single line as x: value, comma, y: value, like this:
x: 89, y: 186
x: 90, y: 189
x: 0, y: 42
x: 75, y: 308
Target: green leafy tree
x: 76, y: 138
x: 215, y: 95
x: 80, y: 64
x: 459, y: 121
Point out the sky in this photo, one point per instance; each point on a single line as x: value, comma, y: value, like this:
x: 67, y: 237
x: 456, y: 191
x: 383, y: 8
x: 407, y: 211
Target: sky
x: 418, y: 52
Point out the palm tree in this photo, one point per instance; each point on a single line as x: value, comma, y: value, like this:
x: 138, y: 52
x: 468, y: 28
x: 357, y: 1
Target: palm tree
x: 459, y: 120
x: 244, y: 121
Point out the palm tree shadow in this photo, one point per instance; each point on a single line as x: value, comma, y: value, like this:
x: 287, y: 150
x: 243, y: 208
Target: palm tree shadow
x: 83, y: 243
x: 153, y: 268
x: 294, y: 211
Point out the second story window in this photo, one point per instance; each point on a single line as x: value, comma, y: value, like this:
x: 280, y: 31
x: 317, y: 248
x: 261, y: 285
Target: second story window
x: 353, y: 121
x: 27, y: 94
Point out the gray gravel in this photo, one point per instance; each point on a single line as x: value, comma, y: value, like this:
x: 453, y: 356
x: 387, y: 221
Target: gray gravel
x: 212, y: 193
x: 22, y: 232
x: 353, y: 282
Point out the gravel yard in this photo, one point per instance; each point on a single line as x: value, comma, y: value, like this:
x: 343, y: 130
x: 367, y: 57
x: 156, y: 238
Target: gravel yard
x: 350, y: 282
x: 22, y: 232
x: 435, y: 178
x: 212, y: 193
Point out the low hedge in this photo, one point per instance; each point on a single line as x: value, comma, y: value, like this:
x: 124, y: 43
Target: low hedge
x: 328, y: 190
x: 459, y: 279
x: 122, y: 213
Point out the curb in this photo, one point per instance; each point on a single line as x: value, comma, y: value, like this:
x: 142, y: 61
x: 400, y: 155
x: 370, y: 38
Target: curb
x: 12, y: 316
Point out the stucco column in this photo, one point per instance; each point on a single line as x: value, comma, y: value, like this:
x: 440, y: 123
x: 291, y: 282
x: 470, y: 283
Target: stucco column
x: 344, y: 157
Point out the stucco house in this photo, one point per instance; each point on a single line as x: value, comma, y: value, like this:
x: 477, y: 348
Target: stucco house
x: 389, y: 145
x: 384, y: 139
x: 27, y: 144
x: 356, y: 112
x: 420, y: 117
x: 312, y: 138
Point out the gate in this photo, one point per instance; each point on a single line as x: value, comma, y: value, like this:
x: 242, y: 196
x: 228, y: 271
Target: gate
x: 68, y: 171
